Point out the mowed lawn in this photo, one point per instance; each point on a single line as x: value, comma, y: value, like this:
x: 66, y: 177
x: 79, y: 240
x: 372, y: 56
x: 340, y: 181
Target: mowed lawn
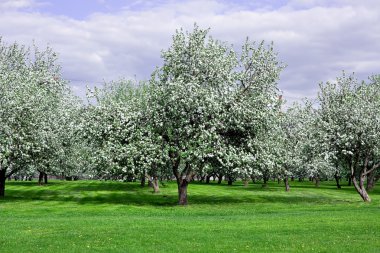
x: 98, y: 216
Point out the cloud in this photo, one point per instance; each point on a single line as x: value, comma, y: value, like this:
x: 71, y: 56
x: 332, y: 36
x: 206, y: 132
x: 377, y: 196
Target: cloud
x: 8, y: 5
x: 317, y: 39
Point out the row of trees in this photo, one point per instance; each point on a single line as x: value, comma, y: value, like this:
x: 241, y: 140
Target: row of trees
x: 209, y: 110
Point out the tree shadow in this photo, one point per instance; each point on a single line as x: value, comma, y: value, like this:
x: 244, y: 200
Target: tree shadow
x: 95, y: 192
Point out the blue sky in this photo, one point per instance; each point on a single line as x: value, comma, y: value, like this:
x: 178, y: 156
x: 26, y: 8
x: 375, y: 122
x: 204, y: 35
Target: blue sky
x: 103, y: 40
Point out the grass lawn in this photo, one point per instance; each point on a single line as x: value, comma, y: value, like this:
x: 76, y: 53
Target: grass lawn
x: 94, y: 216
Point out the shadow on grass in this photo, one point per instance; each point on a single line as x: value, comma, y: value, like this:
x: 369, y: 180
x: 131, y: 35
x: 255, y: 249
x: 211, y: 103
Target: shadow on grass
x: 97, y: 192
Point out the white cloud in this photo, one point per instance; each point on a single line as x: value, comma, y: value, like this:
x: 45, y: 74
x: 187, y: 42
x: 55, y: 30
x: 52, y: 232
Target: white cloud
x: 317, y: 40
x: 8, y: 5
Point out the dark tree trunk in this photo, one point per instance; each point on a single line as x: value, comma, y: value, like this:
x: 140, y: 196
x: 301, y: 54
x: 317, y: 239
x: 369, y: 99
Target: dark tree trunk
x: 286, y: 181
x: 349, y: 181
x: 45, y: 178
x: 142, y: 180
x: 337, y: 178
x: 182, y: 192
x: 253, y: 179
x: 230, y: 181
x: 208, y: 179
x: 156, y: 187
x: 300, y: 179
x: 265, y: 178
x: 2, y: 183
x: 220, y: 178
x: 292, y: 178
x: 41, y: 178
x: 370, y: 181
x: 278, y: 180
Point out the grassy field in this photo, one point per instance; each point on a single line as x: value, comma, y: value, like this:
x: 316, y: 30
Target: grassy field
x: 93, y: 216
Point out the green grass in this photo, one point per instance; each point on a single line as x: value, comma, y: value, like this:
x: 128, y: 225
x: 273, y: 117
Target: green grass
x: 93, y: 216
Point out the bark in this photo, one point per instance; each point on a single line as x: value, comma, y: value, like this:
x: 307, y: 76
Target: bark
x: 182, y: 192
x: 286, y: 181
x: 2, y: 182
x: 45, y: 178
x: 360, y: 187
x: 156, y: 187
x: 220, y: 178
x: 337, y: 178
x: 253, y: 179
x: 317, y: 181
x: 245, y: 183
x: 182, y: 180
x: 142, y: 180
x: 40, y: 178
x: 230, y: 181
x: 265, y: 178
x: 278, y: 180
x: 265, y: 181
x: 349, y: 181
x: 208, y: 179
x: 370, y: 181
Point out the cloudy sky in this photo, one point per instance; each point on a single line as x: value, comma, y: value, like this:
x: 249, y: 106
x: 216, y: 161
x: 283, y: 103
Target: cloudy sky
x: 103, y: 40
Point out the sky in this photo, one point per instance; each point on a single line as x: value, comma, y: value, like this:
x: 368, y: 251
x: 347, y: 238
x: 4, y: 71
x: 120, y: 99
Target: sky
x: 103, y: 40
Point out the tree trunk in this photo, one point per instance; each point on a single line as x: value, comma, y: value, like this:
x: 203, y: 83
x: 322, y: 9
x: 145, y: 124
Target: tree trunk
x: 278, y: 180
x: 2, y: 183
x: 208, y: 179
x: 265, y: 181
x: 156, y: 187
x: 286, y: 181
x: 317, y: 181
x: 220, y: 178
x: 142, y: 180
x: 349, y: 181
x: 370, y: 181
x: 253, y: 179
x: 245, y: 182
x: 45, y: 178
x: 230, y: 181
x: 337, y: 181
x: 41, y: 178
x: 360, y: 187
x: 182, y: 192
